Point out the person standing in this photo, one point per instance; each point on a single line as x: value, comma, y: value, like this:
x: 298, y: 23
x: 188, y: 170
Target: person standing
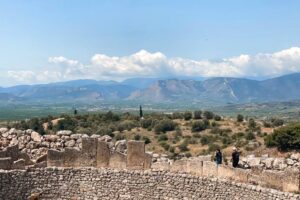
x: 218, y: 157
x: 235, y: 157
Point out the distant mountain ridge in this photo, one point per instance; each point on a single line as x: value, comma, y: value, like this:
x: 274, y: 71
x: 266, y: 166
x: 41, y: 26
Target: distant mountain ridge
x: 219, y: 90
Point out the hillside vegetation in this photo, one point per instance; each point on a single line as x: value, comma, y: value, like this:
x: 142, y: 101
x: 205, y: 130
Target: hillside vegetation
x: 180, y: 133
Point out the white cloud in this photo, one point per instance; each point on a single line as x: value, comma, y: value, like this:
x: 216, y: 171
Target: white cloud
x: 144, y: 63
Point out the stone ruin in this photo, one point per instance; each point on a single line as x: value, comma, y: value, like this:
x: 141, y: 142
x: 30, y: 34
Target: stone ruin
x: 96, y: 153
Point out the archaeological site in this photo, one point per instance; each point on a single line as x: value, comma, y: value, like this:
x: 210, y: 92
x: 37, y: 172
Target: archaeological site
x: 75, y: 166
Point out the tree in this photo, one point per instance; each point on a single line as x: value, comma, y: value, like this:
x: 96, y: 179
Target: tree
x: 187, y: 115
x: 197, y: 114
x: 251, y: 124
x: 285, y: 138
x: 141, y: 112
x: 239, y: 118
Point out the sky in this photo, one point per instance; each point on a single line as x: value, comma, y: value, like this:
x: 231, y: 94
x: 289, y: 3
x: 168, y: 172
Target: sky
x: 58, y: 40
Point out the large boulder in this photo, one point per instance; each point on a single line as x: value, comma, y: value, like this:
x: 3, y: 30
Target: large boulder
x: 3, y: 130
x: 295, y: 156
x: 36, y: 137
x: 51, y: 138
x: 121, y: 146
x: 64, y: 132
x: 106, y: 138
x: 70, y: 143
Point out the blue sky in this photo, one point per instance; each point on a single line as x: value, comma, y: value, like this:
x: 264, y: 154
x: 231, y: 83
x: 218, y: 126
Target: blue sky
x: 42, y: 37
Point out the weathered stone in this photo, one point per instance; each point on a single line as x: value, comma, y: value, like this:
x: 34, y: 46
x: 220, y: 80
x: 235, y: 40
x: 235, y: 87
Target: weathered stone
x: 70, y: 143
x: 105, y: 138
x: 51, y: 138
x: 19, y: 164
x: 117, y: 160
x: 41, y: 158
x: 6, y: 163
x: 103, y: 154
x: 26, y: 158
x: 13, y: 152
x: 89, y: 151
x: 55, y: 158
x: 72, y: 157
x: 136, y: 154
x: 121, y: 146
x: 36, y: 137
x: 64, y: 132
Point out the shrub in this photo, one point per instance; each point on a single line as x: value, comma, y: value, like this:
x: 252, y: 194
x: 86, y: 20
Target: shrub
x: 162, y: 137
x: 217, y: 118
x: 198, y: 126
x: 208, y: 115
x: 250, y: 136
x: 146, y: 139
x: 119, y: 137
x: 137, y: 137
x: 187, y: 115
x: 164, y: 145
x: 213, y: 147
x: 239, y: 118
x: 197, y: 114
x: 183, y: 146
x: 204, y: 140
x: 267, y: 124
x: 226, y: 140
x: 251, y: 124
x: 285, y: 138
x: 146, y: 123
x: 177, y: 115
x: 164, y: 126
x: 277, y: 122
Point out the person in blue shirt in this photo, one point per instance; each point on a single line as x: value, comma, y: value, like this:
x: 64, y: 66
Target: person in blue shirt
x: 218, y: 157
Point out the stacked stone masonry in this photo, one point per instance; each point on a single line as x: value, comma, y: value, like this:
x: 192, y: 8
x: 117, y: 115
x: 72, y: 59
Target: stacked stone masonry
x: 100, y: 183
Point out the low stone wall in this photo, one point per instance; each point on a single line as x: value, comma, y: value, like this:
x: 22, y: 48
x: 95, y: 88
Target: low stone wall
x: 96, y: 153
x: 100, y: 183
x: 287, y: 180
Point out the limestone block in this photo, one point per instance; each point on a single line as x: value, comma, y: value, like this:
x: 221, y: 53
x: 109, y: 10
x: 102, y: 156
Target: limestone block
x: 165, y: 166
x: 26, y: 157
x: 209, y: 169
x: 148, y: 161
x: 103, y: 154
x: 13, y: 152
x: 3, y: 154
x: 179, y: 166
x: 226, y: 172
x: 41, y: 158
x: 89, y: 152
x: 55, y: 158
x: 135, y: 154
x: 6, y: 163
x: 195, y: 167
x: 118, y: 160
x: 19, y: 164
x: 72, y: 157
x: 35, y: 136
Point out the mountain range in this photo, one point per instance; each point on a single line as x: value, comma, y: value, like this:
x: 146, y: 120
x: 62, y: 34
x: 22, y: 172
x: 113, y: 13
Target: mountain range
x: 219, y: 90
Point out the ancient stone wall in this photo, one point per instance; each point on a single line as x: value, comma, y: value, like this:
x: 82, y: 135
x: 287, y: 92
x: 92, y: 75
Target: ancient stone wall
x: 96, y: 153
x: 287, y: 180
x: 101, y: 183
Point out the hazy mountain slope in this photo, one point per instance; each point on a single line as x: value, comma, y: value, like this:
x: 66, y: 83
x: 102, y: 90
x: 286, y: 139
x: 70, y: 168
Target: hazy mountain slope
x: 220, y: 90
x: 226, y: 90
